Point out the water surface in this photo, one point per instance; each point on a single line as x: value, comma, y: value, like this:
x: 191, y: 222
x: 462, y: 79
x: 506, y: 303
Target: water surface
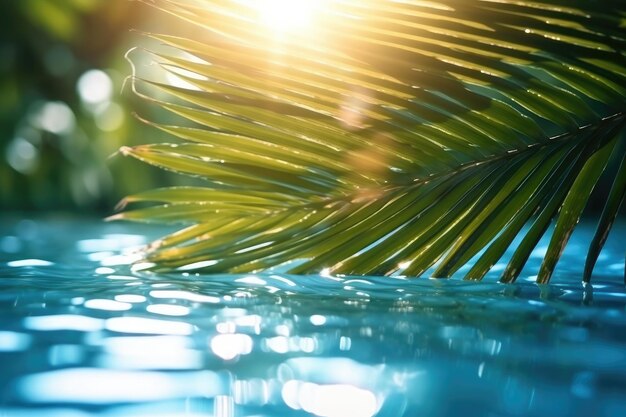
x: 82, y: 334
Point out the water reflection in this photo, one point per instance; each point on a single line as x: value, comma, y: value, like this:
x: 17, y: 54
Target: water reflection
x: 184, y: 295
x: 334, y: 400
x: 110, y: 305
x: 93, y: 337
x: 77, y: 385
x: 28, y: 262
x: 130, y: 298
x: 76, y: 322
x: 149, y: 352
x: 168, y: 309
x: 148, y: 326
x: 14, y: 341
x: 231, y: 346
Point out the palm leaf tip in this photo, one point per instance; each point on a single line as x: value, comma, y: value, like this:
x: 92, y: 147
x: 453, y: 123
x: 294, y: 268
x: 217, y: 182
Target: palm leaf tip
x: 389, y: 138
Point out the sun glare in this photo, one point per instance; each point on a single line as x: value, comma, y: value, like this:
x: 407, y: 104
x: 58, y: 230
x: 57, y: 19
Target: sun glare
x: 286, y: 15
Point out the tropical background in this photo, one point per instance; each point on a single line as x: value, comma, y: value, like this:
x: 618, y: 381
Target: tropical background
x: 63, y: 109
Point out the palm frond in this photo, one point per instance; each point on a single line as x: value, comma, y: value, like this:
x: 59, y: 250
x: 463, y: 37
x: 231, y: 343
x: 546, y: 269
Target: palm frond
x: 388, y: 137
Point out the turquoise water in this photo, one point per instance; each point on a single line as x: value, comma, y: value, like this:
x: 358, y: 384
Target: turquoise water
x: 82, y: 334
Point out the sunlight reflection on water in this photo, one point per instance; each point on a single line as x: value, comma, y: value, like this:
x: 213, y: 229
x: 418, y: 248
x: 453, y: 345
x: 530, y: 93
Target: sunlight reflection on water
x: 78, y: 385
x: 85, y: 336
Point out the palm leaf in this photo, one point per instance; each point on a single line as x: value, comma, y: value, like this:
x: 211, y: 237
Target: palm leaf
x: 389, y: 137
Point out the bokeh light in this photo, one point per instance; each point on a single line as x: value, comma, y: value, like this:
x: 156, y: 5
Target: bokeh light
x: 95, y: 87
x: 63, y: 111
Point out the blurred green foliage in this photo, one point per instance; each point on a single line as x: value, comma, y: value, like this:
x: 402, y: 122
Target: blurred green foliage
x: 62, y: 113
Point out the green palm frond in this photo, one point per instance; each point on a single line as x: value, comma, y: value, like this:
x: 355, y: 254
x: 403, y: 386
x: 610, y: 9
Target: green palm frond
x: 389, y: 136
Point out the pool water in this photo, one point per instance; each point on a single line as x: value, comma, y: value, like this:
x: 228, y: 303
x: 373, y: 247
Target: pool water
x: 83, y: 334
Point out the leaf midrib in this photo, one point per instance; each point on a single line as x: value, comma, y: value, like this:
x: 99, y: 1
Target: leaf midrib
x: 346, y: 198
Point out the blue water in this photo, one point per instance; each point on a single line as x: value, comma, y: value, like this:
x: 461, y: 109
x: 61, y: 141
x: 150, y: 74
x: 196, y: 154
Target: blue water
x: 82, y: 334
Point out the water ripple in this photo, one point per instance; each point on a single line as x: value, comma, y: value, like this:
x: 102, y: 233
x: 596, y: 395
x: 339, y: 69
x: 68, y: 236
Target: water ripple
x: 89, y: 335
